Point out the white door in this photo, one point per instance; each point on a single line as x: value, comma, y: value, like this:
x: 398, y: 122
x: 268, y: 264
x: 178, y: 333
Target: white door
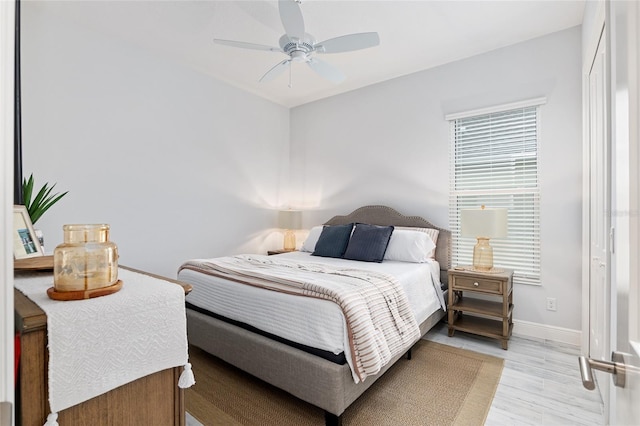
x: 623, y: 407
x: 625, y: 17
x: 599, y: 221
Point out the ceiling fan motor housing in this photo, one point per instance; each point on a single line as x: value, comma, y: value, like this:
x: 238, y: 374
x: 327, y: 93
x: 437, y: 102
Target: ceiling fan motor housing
x: 298, y: 50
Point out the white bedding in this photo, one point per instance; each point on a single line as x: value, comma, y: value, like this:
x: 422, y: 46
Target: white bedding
x: 309, y: 321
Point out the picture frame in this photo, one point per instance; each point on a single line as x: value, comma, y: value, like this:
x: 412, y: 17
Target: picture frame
x: 25, y: 241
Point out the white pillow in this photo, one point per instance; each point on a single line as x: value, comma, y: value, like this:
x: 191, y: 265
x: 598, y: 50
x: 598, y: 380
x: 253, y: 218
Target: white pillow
x: 431, y: 232
x: 409, y: 246
x: 309, y: 244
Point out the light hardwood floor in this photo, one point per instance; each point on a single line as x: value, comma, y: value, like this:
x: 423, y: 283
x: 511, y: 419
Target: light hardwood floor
x: 540, y: 383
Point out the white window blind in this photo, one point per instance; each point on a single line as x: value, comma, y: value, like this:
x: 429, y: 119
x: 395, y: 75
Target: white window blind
x: 494, y: 162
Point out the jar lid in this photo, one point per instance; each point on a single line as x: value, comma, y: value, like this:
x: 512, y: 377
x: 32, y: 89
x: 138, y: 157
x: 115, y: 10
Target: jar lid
x: 83, y: 227
x: 82, y: 233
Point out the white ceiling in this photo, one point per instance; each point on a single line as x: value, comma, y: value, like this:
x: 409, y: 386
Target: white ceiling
x: 414, y: 35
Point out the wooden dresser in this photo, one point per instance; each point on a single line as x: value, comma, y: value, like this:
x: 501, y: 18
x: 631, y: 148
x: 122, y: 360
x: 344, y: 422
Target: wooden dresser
x: 152, y: 400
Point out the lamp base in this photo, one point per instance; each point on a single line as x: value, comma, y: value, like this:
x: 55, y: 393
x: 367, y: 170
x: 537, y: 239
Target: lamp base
x: 483, y: 255
x: 289, y: 240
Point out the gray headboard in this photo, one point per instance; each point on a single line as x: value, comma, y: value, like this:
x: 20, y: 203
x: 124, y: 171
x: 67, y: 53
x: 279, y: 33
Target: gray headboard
x: 383, y: 215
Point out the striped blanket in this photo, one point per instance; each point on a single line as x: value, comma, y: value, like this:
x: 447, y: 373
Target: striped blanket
x: 379, y: 320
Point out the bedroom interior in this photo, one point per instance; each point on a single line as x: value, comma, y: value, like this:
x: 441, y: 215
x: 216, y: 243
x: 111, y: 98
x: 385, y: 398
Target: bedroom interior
x: 189, y: 163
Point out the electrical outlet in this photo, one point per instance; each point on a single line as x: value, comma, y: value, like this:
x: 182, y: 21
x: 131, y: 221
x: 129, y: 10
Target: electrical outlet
x: 551, y: 304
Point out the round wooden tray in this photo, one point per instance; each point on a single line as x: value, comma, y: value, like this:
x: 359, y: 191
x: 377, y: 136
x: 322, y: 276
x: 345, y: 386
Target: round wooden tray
x: 83, y: 294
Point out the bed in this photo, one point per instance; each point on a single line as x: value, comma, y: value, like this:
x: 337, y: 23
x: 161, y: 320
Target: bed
x: 319, y: 372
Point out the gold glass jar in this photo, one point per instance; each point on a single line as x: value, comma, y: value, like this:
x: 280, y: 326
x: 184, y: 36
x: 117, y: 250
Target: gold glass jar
x: 86, y: 260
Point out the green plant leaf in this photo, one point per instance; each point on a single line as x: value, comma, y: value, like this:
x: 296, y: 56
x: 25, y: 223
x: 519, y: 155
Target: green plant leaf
x: 42, y: 195
x: 46, y: 204
x: 27, y: 189
x: 43, y: 200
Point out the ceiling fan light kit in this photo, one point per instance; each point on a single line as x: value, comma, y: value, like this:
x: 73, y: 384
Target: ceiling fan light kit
x: 301, y: 47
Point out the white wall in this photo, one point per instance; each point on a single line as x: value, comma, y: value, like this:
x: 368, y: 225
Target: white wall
x: 179, y: 164
x: 389, y: 144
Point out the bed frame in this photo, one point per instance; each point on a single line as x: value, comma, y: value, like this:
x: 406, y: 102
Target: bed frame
x: 313, y: 379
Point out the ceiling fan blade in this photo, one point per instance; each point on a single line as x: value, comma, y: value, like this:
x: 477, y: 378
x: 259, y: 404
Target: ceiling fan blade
x: 348, y: 43
x: 244, y: 45
x: 291, y: 17
x: 325, y: 70
x: 275, y: 71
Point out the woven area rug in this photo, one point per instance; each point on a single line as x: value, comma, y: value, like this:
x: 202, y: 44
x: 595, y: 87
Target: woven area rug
x: 440, y: 385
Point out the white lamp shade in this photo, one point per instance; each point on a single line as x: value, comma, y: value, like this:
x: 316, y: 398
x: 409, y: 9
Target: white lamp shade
x: 489, y: 223
x: 290, y: 219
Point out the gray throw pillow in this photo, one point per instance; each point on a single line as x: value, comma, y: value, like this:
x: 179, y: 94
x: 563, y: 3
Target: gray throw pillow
x: 333, y: 240
x: 368, y: 243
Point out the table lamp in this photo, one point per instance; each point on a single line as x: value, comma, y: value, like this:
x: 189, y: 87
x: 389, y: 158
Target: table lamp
x: 483, y: 224
x: 289, y: 220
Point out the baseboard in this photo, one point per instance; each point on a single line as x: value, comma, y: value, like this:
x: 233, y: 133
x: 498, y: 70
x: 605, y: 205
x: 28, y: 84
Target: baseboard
x: 546, y: 332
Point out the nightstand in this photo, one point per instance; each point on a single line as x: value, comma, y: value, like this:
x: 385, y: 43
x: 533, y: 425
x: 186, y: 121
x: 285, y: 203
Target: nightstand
x: 492, y: 314
x: 272, y: 252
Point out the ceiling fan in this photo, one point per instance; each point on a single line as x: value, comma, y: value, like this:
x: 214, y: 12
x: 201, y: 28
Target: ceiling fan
x: 302, y: 47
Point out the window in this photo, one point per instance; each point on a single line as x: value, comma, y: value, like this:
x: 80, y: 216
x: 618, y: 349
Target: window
x: 494, y: 162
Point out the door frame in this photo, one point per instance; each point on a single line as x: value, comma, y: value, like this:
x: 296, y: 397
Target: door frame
x: 589, y: 52
x: 597, y: 31
x: 7, y: 25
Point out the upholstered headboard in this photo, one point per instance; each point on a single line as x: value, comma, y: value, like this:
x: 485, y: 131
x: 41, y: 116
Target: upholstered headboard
x: 383, y: 215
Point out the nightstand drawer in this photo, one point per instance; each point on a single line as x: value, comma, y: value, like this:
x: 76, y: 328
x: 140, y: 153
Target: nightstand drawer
x: 483, y: 285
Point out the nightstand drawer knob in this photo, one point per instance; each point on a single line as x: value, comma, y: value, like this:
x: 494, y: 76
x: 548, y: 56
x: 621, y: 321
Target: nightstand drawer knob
x: 476, y: 284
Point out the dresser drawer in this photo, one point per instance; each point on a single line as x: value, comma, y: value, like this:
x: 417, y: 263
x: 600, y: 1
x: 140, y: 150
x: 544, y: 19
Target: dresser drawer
x: 476, y: 284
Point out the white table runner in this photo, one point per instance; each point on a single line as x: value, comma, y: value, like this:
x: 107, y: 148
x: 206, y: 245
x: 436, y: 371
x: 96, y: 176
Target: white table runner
x: 96, y: 345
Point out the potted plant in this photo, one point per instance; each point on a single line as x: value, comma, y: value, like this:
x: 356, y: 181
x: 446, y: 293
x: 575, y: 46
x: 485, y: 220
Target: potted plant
x: 42, y: 201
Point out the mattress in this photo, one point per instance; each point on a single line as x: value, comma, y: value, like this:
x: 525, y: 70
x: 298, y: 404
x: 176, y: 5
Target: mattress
x: 308, y: 321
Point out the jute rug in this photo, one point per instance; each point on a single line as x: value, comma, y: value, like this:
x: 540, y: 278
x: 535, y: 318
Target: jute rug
x: 440, y: 385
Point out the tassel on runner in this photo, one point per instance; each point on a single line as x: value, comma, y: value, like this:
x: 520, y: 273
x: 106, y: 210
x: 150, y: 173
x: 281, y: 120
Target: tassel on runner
x: 52, y: 420
x: 187, y: 378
